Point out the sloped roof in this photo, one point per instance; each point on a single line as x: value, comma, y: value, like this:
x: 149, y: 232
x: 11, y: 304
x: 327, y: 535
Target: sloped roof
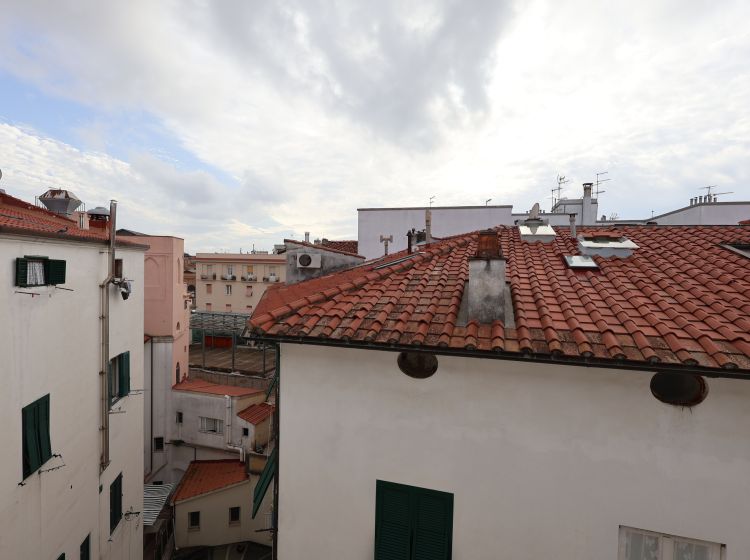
x: 203, y: 477
x: 344, y: 247
x: 680, y: 300
x: 201, y: 386
x: 256, y: 413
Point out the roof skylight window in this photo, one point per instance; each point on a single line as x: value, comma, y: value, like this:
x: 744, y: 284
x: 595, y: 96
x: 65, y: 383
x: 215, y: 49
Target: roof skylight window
x: 581, y: 262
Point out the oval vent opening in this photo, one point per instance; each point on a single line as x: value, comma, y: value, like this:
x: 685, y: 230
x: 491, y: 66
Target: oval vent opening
x: 417, y: 364
x: 679, y: 389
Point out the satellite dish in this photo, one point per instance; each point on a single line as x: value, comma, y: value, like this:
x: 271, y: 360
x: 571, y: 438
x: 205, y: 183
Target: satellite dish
x: 534, y: 214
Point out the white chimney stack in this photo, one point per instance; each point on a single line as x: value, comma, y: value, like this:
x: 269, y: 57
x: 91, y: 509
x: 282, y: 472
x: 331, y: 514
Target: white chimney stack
x: 307, y: 237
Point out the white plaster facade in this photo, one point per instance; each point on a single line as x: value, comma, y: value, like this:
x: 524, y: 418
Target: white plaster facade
x: 543, y: 461
x: 706, y: 214
x: 50, y: 344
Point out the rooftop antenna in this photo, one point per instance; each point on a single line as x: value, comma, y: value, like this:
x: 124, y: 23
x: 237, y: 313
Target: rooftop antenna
x: 709, y: 193
x: 561, y: 180
x: 432, y: 199
x: 486, y: 202
x: 600, y: 181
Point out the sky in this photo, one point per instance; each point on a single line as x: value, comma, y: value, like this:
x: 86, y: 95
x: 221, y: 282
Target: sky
x: 237, y: 123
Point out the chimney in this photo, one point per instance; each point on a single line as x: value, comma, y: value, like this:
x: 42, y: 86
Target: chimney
x: 572, y: 218
x: 83, y: 220
x: 487, y: 284
x: 428, y: 225
x: 307, y: 237
x: 409, y: 239
x: 586, y: 216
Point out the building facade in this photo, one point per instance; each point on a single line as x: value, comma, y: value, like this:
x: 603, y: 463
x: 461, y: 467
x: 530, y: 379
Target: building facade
x: 235, y: 282
x: 506, y: 395
x: 72, y: 471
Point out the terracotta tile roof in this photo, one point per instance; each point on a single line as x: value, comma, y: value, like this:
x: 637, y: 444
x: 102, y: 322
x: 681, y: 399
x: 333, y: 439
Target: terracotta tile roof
x: 203, y: 477
x: 680, y: 299
x: 256, y: 413
x: 201, y: 386
x: 20, y: 217
x: 345, y: 247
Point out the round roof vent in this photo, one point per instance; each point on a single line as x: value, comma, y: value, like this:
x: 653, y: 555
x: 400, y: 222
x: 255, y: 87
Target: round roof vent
x: 100, y: 212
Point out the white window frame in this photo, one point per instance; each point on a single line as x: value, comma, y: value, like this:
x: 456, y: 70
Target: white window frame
x: 227, y: 289
x: 208, y: 425
x: 230, y: 270
x: 667, y: 544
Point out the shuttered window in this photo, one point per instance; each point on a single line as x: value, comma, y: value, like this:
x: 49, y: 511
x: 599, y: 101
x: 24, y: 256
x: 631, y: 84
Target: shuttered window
x: 412, y: 523
x: 86, y: 548
x: 119, y: 377
x: 39, y: 271
x: 115, y: 503
x: 36, y: 448
x: 637, y: 544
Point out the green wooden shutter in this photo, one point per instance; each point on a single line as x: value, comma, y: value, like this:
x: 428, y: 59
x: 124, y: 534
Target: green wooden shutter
x: 45, y: 447
x: 55, y: 272
x: 263, y: 482
x: 111, y: 388
x: 115, y: 503
x: 124, y: 359
x: 31, y: 453
x: 433, y: 525
x: 22, y: 269
x: 86, y: 548
x: 393, y: 522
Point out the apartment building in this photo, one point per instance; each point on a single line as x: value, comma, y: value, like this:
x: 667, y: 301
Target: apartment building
x: 71, y: 341
x: 235, y: 282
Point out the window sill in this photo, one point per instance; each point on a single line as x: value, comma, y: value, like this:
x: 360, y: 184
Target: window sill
x: 193, y: 529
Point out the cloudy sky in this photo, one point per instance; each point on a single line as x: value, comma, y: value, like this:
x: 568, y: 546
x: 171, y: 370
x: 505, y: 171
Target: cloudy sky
x: 233, y: 123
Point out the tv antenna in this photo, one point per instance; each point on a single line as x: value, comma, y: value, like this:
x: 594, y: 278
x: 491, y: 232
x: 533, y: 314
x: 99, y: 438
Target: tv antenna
x: 487, y: 202
x: 600, y: 181
x: 561, y: 180
x: 432, y: 199
x: 709, y: 194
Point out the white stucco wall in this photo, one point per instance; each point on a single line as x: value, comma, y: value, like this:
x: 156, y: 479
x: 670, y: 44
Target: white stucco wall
x: 214, y: 507
x: 543, y: 461
x: 50, y: 344
x: 717, y: 213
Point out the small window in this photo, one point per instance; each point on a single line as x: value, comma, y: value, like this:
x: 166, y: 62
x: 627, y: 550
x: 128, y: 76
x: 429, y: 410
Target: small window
x: 115, y: 503
x: 637, y: 544
x: 250, y: 269
x: 417, y: 364
x: 86, y: 548
x: 249, y: 308
x: 39, y: 271
x: 179, y: 417
x: 209, y: 288
x: 245, y: 432
x: 272, y: 270
x: 178, y: 325
x: 230, y: 270
x: 118, y: 268
x: 208, y: 307
x: 36, y: 448
x: 228, y: 289
x: 158, y: 444
x: 211, y: 425
x: 228, y: 307
x: 679, y: 389
x: 249, y: 291
x: 177, y: 375
x: 61, y: 557
x: 194, y: 521
x: 234, y: 515
x: 119, y: 377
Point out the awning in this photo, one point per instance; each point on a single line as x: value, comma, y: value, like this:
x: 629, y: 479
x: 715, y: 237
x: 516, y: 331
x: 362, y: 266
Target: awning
x: 154, y: 498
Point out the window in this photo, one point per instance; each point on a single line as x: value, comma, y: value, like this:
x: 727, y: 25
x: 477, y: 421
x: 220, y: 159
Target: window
x: 177, y: 373
x: 194, y: 521
x: 179, y: 417
x: 158, y: 483
x: 39, y: 271
x: 636, y: 544
x: 36, y: 448
x: 158, y: 444
x: 234, y: 515
x: 272, y: 270
x: 250, y: 269
x: 118, y: 268
x: 61, y: 557
x: 208, y: 307
x: 211, y: 425
x: 115, y: 503
x: 228, y: 289
x: 228, y: 307
x: 245, y: 432
x: 119, y: 377
x: 249, y: 308
x: 412, y: 523
x: 248, y: 291
x: 230, y: 270
x: 86, y: 548
x: 209, y: 288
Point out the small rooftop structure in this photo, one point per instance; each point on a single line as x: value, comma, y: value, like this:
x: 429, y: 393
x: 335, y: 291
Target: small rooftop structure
x: 203, y: 477
x: 256, y: 413
x: 60, y: 201
x: 208, y: 388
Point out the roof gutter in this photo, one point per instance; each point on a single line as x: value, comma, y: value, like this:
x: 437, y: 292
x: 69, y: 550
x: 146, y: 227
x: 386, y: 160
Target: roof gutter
x: 515, y: 357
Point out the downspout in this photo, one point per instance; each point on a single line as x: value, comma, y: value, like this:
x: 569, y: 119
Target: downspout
x: 228, y: 429
x: 103, y: 373
x: 151, y: 423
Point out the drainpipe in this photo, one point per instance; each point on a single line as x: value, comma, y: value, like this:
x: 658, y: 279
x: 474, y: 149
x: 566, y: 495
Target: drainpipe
x: 275, y: 517
x: 104, y: 317
x: 428, y: 225
x: 228, y: 428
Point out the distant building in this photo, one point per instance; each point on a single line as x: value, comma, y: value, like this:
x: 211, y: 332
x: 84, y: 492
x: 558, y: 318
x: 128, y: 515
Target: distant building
x: 702, y: 211
x: 71, y: 348
x: 235, y: 282
x: 519, y: 393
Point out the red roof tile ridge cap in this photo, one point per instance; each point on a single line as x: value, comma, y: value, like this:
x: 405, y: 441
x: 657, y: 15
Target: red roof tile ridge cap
x: 323, y: 247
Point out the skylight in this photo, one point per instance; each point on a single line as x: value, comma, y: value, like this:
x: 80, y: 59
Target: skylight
x: 739, y: 248
x: 581, y: 261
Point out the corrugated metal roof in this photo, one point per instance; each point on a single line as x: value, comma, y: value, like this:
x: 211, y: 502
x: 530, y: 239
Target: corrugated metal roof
x: 154, y: 498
